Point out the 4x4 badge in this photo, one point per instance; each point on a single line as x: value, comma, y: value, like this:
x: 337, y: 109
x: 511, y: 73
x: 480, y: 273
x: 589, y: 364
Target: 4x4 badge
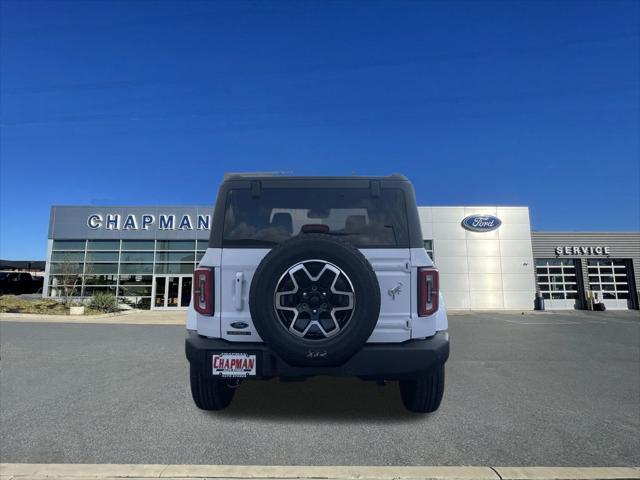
x: 316, y: 353
x: 395, y: 291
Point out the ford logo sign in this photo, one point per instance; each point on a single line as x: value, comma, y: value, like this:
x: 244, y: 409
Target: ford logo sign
x: 481, y: 223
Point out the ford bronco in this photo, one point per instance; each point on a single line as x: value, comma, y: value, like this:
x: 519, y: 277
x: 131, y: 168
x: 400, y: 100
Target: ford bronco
x: 308, y: 276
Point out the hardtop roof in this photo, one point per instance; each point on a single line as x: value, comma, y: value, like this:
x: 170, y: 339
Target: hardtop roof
x: 230, y: 177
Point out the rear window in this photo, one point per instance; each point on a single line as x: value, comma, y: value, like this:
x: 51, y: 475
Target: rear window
x: 279, y: 214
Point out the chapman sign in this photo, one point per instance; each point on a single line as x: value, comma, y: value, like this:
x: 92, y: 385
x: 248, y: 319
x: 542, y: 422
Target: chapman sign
x: 582, y: 250
x: 481, y: 223
x: 114, y: 221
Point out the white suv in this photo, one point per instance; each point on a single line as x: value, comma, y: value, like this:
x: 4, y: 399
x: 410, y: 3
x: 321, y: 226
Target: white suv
x: 313, y: 276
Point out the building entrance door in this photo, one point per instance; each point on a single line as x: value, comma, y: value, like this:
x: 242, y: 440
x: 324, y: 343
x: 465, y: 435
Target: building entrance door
x: 171, y: 291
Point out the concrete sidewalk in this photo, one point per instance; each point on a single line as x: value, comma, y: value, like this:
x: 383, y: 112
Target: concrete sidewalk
x: 22, y: 471
x: 125, y: 317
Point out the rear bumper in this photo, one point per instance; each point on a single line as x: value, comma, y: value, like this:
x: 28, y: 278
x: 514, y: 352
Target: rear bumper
x: 388, y: 361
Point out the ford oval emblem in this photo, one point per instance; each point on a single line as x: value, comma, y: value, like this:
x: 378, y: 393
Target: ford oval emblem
x: 239, y: 325
x: 481, y: 223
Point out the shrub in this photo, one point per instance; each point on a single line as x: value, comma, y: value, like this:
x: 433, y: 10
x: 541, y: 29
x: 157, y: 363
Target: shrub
x: 13, y: 304
x: 104, y: 302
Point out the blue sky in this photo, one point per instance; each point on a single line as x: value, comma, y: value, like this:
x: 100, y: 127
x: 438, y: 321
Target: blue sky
x: 508, y: 103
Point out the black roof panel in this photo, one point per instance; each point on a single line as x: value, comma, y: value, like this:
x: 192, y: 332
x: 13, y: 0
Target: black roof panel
x: 280, y: 178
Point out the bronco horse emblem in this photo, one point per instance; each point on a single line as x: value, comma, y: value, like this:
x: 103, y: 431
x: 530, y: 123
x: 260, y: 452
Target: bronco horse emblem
x: 395, y: 291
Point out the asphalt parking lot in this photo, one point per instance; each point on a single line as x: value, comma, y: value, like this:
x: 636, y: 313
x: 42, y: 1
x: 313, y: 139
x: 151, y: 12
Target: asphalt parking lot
x: 534, y: 389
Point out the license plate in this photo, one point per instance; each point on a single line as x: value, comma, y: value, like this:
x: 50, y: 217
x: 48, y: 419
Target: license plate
x: 234, y: 364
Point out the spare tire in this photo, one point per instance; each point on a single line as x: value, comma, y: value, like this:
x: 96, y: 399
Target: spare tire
x: 315, y: 300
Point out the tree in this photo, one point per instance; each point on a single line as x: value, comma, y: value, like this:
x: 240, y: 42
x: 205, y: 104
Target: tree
x: 68, y: 274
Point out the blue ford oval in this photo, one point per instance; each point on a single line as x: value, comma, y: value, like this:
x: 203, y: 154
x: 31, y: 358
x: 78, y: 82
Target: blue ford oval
x: 481, y: 223
x: 239, y: 325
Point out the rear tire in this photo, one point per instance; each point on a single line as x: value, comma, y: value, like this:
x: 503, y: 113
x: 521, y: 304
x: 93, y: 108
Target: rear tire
x: 424, y: 394
x: 210, y: 393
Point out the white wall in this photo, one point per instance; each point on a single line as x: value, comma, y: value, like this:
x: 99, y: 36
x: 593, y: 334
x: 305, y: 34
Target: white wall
x: 47, y: 267
x: 482, y: 270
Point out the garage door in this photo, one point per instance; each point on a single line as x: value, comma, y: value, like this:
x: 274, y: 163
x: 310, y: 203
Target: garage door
x: 557, y: 282
x: 610, y: 280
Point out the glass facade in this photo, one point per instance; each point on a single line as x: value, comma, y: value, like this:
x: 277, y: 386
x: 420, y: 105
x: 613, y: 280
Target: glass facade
x: 125, y: 268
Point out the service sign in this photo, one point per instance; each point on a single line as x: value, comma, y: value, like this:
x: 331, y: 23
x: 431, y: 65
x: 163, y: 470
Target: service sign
x: 583, y: 250
x: 233, y: 364
x: 481, y: 223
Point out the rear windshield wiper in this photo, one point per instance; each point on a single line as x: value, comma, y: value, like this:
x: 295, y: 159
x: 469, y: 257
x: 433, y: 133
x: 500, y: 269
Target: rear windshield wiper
x: 247, y: 242
x: 337, y: 234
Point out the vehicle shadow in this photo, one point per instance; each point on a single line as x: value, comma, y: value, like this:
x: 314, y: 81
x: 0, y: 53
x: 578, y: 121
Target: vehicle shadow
x: 327, y: 399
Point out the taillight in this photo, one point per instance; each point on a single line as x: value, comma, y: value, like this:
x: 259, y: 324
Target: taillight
x: 428, y: 287
x: 203, y: 291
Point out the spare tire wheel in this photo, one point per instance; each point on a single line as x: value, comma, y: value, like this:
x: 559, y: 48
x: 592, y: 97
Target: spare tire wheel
x: 315, y: 300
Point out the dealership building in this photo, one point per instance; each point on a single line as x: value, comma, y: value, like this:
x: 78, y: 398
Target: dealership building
x: 488, y: 257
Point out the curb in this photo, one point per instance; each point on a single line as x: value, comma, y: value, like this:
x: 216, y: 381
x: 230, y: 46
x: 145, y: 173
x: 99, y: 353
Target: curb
x: 567, y: 473
x: 25, y: 471
x: 127, y: 317
x: 28, y: 316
